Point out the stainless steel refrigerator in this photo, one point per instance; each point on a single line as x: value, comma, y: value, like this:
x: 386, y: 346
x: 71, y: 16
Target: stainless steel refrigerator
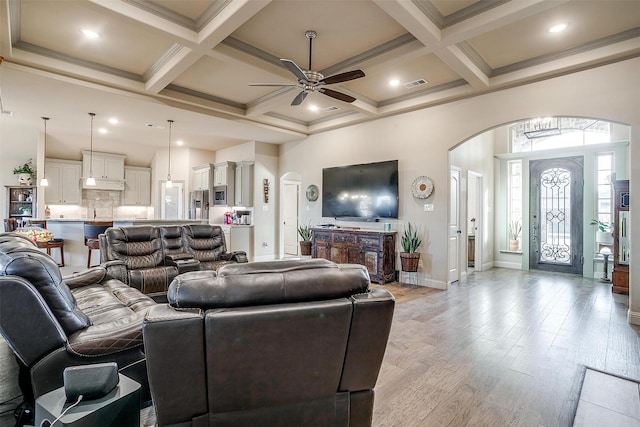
x: 199, y: 204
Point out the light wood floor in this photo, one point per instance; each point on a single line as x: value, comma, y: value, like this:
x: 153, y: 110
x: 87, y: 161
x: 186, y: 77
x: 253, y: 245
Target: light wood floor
x: 502, y: 348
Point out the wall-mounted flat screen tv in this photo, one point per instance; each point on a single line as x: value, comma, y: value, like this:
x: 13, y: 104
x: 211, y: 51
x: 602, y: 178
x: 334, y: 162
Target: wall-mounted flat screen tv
x: 368, y: 191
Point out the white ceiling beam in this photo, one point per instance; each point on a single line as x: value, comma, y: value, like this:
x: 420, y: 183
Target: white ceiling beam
x: 464, y: 66
x: 271, y: 102
x: 220, y: 27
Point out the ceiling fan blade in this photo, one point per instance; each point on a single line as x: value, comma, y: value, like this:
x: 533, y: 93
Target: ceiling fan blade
x: 343, y: 77
x: 299, y: 98
x: 337, y: 95
x: 272, y: 84
x: 291, y: 66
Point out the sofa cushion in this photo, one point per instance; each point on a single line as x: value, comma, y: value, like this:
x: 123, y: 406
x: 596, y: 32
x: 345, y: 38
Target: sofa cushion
x: 138, y: 247
x: 204, y: 242
x: 20, y: 257
x: 273, y: 282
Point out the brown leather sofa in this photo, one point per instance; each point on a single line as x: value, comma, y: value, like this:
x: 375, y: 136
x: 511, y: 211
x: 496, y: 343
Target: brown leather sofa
x: 51, y: 322
x: 148, y: 258
x: 282, y: 343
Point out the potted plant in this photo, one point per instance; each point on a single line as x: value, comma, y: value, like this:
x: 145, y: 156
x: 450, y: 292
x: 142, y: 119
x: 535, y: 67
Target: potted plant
x: 25, y: 173
x: 305, y: 244
x: 604, y: 234
x: 410, y: 241
x: 515, y: 228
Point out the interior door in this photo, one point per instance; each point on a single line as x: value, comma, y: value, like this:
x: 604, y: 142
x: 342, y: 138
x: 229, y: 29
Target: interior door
x: 556, y: 210
x: 454, y: 225
x: 290, y: 221
x: 172, y: 200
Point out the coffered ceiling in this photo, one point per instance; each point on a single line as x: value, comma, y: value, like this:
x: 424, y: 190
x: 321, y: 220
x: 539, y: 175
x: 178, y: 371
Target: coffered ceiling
x: 201, y: 55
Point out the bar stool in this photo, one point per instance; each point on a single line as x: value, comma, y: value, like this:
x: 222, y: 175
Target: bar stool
x: 10, y: 224
x: 51, y: 244
x: 92, y: 229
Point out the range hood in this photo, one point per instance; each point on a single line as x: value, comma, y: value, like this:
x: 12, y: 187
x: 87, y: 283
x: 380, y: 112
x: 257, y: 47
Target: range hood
x: 104, y: 184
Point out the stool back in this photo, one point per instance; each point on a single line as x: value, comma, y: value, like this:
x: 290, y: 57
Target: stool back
x: 10, y: 224
x: 92, y: 229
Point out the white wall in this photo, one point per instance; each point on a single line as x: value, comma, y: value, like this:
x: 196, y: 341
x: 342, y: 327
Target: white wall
x: 420, y: 141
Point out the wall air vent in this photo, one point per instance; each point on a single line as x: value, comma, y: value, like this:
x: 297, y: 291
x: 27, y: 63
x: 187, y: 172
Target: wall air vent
x: 332, y: 108
x: 415, y: 83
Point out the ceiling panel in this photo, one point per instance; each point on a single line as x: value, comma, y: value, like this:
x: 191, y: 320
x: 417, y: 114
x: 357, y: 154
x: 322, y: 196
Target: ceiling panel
x: 529, y: 38
x: 123, y: 44
x: 447, y: 7
x: 316, y: 106
x: 345, y: 29
x: 375, y: 85
x: 192, y: 9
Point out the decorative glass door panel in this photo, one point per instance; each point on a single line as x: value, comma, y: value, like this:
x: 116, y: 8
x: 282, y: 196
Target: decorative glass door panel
x: 556, y: 209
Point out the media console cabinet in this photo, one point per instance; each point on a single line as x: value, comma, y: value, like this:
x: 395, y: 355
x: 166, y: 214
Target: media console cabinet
x: 376, y: 250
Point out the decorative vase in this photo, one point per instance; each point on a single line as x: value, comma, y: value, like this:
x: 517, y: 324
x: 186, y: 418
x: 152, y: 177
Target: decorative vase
x: 410, y: 261
x: 514, y: 245
x: 305, y: 248
x: 24, y: 179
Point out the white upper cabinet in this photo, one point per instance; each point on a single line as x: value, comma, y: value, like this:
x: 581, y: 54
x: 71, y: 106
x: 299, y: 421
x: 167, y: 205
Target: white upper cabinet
x: 106, y: 168
x: 223, y: 174
x: 201, y: 177
x: 137, y: 186
x: 244, y: 184
x: 64, y: 182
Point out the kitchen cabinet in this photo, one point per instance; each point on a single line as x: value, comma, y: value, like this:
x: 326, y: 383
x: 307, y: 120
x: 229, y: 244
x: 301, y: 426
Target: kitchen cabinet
x: 223, y: 173
x: 241, y: 237
x: 244, y: 184
x: 373, y: 249
x: 64, y: 182
x: 105, y: 165
x: 201, y: 177
x: 137, y: 186
x: 21, y: 202
x: 621, y: 255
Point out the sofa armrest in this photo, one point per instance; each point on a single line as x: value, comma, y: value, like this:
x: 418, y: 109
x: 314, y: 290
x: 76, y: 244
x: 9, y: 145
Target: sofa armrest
x: 84, y: 278
x: 178, y: 257
x: 237, y: 256
x: 183, y: 262
x: 117, y: 269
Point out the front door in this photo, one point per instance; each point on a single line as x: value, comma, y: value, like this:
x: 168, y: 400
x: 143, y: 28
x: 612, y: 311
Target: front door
x: 556, y: 210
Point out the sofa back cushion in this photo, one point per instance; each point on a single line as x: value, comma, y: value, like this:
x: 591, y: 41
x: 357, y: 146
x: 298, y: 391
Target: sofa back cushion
x: 205, y: 242
x: 139, y: 247
x: 272, y: 282
x: 20, y: 257
x: 171, y: 236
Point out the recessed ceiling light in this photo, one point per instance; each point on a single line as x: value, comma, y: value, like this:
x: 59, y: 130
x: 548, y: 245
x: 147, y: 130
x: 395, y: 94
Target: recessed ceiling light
x: 313, y: 107
x: 113, y: 121
x: 558, y: 27
x: 180, y: 142
x: 102, y: 130
x: 394, y: 82
x: 90, y: 34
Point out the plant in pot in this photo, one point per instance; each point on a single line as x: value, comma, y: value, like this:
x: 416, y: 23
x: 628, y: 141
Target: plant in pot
x: 515, y: 229
x: 604, y: 235
x: 305, y: 244
x: 26, y: 173
x: 410, y: 243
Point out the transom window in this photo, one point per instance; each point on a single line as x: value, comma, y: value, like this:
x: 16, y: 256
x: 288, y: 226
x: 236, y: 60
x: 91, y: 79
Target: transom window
x: 546, y: 133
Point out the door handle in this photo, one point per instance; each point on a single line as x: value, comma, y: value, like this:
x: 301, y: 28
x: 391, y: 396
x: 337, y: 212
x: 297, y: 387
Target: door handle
x: 459, y: 231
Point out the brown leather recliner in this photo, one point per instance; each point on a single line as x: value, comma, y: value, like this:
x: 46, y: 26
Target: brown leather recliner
x: 51, y: 322
x: 282, y: 343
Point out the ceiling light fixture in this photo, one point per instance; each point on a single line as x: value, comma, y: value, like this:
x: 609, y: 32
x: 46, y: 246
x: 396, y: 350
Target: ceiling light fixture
x: 169, y: 182
x: 90, y: 34
x: 113, y: 121
x: 103, y: 130
x: 313, y: 107
x: 558, y: 27
x: 44, y: 182
x: 394, y: 82
x: 180, y: 142
x: 91, y: 180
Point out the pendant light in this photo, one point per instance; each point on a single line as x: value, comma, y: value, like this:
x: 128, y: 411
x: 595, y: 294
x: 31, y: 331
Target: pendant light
x: 169, y: 182
x: 91, y: 180
x: 44, y: 182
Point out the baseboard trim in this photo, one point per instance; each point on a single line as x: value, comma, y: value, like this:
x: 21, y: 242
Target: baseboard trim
x: 633, y: 317
x: 503, y: 264
x: 419, y: 280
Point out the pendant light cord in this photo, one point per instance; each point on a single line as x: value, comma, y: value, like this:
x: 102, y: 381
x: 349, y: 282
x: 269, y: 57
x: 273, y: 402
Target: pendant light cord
x: 44, y: 153
x: 169, y: 170
x: 91, y: 142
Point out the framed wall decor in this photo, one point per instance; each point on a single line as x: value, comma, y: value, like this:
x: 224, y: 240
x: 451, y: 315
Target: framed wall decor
x: 312, y: 193
x: 422, y: 187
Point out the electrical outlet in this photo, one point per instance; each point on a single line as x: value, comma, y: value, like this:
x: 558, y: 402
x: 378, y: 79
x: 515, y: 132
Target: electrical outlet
x: 428, y: 207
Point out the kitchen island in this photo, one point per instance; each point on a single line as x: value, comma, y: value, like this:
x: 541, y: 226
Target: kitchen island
x: 72, y: 231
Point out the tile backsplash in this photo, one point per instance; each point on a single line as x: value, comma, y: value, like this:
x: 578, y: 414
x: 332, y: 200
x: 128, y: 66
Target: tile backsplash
x: 105, y: 204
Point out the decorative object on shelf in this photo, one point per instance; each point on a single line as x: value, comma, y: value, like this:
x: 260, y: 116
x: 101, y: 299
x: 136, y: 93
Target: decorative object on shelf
x: 44, y: 182
x: 91, y: 180
x: 305, y: 244
x: 25, y: 173
x: 169, y: 183
x: 422, y: 187
x: 604, y: 235
x: 47, y: 212
x: 312, y: 193
x: 515, y: 228
x: 410, y: 244
x: 265, y: 187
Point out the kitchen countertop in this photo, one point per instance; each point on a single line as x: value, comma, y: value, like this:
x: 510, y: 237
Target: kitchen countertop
x: 134, y: 220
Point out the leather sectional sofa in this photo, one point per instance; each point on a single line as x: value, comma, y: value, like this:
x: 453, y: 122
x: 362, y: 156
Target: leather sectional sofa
x: 51, y: 322
x: 282, y: 343
x: 148, y: 258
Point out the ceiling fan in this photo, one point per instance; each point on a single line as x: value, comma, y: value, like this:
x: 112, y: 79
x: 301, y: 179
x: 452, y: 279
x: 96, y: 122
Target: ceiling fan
x: 313, y: 81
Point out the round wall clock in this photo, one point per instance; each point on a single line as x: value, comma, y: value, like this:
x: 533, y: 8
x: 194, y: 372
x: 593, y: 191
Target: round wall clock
x: 312, y: 193
x: 422, y: 187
